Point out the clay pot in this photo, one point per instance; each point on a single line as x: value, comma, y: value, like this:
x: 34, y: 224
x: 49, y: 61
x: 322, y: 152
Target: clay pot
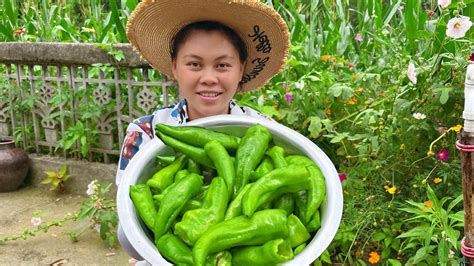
x: 14, y: 164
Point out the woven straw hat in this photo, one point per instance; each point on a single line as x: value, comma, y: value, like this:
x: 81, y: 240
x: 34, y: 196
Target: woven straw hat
x: 154, y: 23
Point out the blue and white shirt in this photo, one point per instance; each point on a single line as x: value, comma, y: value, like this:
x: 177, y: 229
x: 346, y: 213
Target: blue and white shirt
x: 141, y: 131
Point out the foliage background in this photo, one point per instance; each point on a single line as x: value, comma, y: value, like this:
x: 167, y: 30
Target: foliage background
x: 346, y: 88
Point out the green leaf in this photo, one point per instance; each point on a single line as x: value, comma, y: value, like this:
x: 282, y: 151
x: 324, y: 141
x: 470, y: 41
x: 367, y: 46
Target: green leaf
x: 315, y: 126
x: 455, y: 202
x: 63, y: 170
x: 422, y: 253
x: 419, y: 231
x: 443, y: 252
x: 394, y: 262
x: 432, y: 197
x: 379, y: 236
x: 47, y: 180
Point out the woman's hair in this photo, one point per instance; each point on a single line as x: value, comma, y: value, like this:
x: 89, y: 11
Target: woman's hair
x: 208, y: 26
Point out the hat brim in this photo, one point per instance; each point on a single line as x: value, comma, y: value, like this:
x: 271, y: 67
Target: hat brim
x: 153, y: 24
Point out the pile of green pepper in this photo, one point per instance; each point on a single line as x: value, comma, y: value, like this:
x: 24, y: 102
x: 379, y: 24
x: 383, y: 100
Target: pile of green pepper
x: 256, y: 206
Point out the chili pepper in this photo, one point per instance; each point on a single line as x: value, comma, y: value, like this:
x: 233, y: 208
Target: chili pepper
x: 291, y: 178
x: 174, y: 249
x: 180, y: 174
x: 316, y: 192
x: 262, y: 169
x: 194, y: 167
x: 273, y: 252
x: 299, y: 248
x: 223, y: 258
x: 315, y: 223
x: 235, y: 206
x: 285, y: 202
x: 300, y: 205
x: 277, y: 154
x: 299, y: 160
x: 174, y: 199
x: 223, y: 163
x: 297, y: 231
x: 166, y: 159
x: 196, y: 222
x: 164, y: 177
x: 195, y: 153
x: 143, y: 202
x: 263, y: 226
x: 190, y: 205
x: 198, y: 136
x: 250, y: 152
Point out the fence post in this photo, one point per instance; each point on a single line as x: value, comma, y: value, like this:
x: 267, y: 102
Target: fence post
x: 465, y: 144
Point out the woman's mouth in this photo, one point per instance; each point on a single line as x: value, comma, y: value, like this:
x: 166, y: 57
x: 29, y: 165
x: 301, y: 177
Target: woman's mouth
x: 209, y: 94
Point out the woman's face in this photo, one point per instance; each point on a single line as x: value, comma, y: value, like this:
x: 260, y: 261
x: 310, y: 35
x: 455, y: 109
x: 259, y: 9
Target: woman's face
x: 208, y: 71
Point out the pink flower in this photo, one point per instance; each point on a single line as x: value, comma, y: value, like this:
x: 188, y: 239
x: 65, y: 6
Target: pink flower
x: 342, y: 176
x: 442, y: 155
x: 284, y: 86
x: 350, y: 65
x: 458, y: 26
x: 411, y: 73
x: 358, y: 37
x: 36, y: 221
x: 471, y: 57
x: 288, y: 97
x: 444, y: 3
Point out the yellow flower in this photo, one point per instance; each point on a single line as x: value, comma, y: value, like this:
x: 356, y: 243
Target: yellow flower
x: 325, y: 58
x: 358, y: 90
x: 352, y: 101
x: 414, y: 185
x: 438, y: 180
x: 390, y: 190
x: 355, y: 75
x: 402, y: 146
x: 456, y: 128
x: 373, y: 257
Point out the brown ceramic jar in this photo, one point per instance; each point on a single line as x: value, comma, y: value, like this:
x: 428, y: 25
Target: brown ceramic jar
x: 14, y: 164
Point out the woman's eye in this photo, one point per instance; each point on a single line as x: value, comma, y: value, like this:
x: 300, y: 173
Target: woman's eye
x: 193, y: 64
x: 223, y: 65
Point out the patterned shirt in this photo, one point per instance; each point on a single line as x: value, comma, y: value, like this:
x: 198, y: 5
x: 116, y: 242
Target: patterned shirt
x: 141, y: 131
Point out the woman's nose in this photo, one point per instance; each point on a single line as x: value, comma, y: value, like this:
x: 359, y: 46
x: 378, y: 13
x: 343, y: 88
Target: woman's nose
x: 208, y: 76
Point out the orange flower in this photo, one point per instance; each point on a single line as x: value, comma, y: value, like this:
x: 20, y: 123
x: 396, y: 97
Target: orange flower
x: 428, y: 204
x: 325, y: 58
x: 374, y: 257
x: 20, y: 31
x: 437, y: 180
x: 328, y: 112
x: 352, y: 101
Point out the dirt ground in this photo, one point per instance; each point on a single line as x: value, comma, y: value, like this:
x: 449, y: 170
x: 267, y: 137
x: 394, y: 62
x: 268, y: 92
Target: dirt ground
x: 54, y: 246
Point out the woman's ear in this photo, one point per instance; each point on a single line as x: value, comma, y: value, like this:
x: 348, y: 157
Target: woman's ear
x: 173, y: 69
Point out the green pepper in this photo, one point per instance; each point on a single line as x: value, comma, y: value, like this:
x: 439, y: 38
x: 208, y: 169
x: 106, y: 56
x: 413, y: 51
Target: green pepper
x: 223, y: 163
x: 273, y: 252
x: 300, y: 205
x: 174, y: 199
x: 143, y: 202
x: 285, y: 202
x: 316, y: 192
x: 194, y: 167
x: 223, y: 258
x: 299, y: 248
x: 299, y: 160
x: 277, y: 154
x: 315, y: 223
x: 196, y: 222
x: 164, y: 177
x: 174, y: 250
x: 297, y: 231
x: 262, y: 169
x: 194, y: 153
x: 263, y: 226
x: 190, y: 205
x: 291, y: 178
x: 198, y: 136
x: 166, y: 159
x: 250, y: 152
x: 180, y: 174
x: 235, y: 206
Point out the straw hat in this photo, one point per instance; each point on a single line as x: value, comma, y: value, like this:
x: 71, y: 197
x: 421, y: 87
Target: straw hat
x: 154, y: 23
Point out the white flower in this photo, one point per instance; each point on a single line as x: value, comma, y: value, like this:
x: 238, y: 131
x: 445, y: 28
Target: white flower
x: 458, y: 26
x: 419, y: 116
x: 411, y: 73
x: 91, y: 188
x: 36, y: 221
x: 444, y: 3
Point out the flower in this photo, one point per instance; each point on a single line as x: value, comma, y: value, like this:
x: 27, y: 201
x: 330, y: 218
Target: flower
x: 91, y: 188
x: 402, y: 146
x: 437, y: 180
x: 456, y: 128
x: 458, y: 26
x: 328, y: 112
x: 419, y: 116
x: 414, y: 186
x: 89, y: 30
x: 400, y: 8
x: 332, y: 59
x: 442, y: 155
x: 471, y: 57
x: 342, y: 176
x: 444, y: 3
x: 411, y: 73
x: 350, y: 65
x: 325, y: 58
x: 358, y: 37
x: 355, y: 75
x: 428, y: 204
x: 352, y: 101
x: 288, y: 97
x: 359, y: 90
x: 374, y: 257
x: 18, y: 32
x: 284, y: 86
x: 390, y: 190
x: 35, y: 220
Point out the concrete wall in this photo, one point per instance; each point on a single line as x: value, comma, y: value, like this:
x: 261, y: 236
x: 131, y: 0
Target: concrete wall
x: 82, y: 172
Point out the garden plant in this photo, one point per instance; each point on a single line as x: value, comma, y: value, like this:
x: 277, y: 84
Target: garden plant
x: 377, y: 85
